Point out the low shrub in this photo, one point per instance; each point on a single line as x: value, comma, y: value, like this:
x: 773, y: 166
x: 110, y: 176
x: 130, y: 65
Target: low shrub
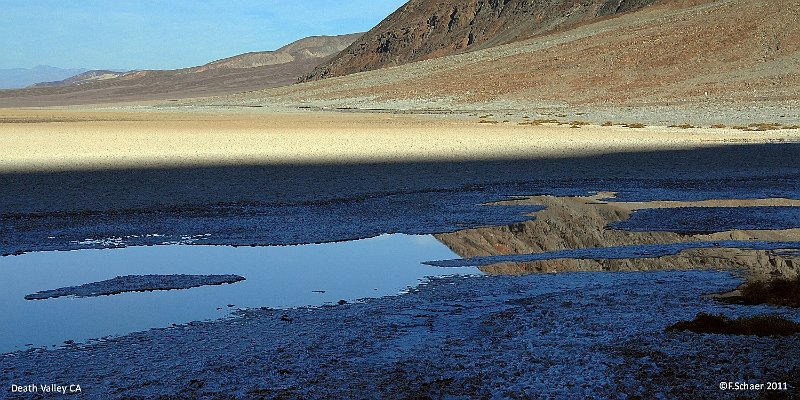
x: 635, y: 125
x: 760, y: 127
x: 539, y: 122
x: 779, y: 292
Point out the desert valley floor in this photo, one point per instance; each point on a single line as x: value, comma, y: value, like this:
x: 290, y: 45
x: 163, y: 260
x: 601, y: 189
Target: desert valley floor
x: 473, y: 199
x: 523, y: 262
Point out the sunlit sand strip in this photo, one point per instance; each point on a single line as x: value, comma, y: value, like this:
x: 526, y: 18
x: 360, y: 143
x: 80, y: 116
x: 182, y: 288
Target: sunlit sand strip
x: 601, y: 197
x: 125, y: 140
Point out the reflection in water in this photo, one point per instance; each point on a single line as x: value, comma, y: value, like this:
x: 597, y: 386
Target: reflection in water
x: 710, y: 219
x: 289, y: 276
x: 571, y: 223
x: 618, y: 252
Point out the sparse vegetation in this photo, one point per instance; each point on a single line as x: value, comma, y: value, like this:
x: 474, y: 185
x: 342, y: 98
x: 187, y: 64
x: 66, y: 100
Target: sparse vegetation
x: 539, y: 122
x: 683, y: 126
x: 636, y: 125
x: 488, y: 121
x: 765, y: 127
x: 577, y: 124
x: 759, y: 325
x: 759, y: 127
x: 718, y: 126
x: 779, y: 292
x: 607, y: 123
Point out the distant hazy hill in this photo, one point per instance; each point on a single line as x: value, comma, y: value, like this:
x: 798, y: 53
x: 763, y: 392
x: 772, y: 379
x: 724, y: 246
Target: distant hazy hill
x: 309, y: 48
x: 250, y: 71
x: 85, y: 77
x: 22, y: 77
x: 423, y: 29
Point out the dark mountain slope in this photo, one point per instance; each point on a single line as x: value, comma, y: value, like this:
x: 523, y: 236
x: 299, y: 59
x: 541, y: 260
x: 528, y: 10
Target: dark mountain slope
x: 423, y: 29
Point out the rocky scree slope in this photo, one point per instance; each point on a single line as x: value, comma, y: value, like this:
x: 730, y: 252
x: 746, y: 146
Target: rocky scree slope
x: 424, y: 29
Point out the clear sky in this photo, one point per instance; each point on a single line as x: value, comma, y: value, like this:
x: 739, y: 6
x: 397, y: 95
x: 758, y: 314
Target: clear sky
x: 167, y: 34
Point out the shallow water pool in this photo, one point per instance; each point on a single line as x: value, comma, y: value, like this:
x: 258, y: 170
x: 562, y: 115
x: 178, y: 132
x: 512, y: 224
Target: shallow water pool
x: 276, y: 276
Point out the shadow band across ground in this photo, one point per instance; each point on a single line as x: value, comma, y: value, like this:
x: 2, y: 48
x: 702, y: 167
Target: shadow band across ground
x: 308, y: 203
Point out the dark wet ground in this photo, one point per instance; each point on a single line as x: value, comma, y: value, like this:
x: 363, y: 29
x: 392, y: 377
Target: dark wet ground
x: 259, y: 223
x: 410, y: 212
x: 295, y: 204
x: 135, y: 283
x: 415, y: 212
x: 553, y: 336
x: 75, y: 211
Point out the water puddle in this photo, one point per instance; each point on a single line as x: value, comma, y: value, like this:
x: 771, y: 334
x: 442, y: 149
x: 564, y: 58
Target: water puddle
x: 710, y: 219
x: 278, y: 277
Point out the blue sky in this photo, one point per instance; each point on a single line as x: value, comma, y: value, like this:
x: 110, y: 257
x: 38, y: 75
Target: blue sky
x: 166, y: 34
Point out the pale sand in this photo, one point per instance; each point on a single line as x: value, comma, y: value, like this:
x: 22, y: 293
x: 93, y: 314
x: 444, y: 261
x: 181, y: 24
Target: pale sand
x: 99, y: 140
x: 626, y: 207
x: 82, y: 159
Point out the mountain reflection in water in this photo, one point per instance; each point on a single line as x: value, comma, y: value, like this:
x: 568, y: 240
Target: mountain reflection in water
x: 587, y: 223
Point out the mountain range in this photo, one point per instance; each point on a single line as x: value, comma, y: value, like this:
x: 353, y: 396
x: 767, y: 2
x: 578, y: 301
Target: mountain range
x: 450, y: 53
x: 733, y: 56
x: 249, y: 71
